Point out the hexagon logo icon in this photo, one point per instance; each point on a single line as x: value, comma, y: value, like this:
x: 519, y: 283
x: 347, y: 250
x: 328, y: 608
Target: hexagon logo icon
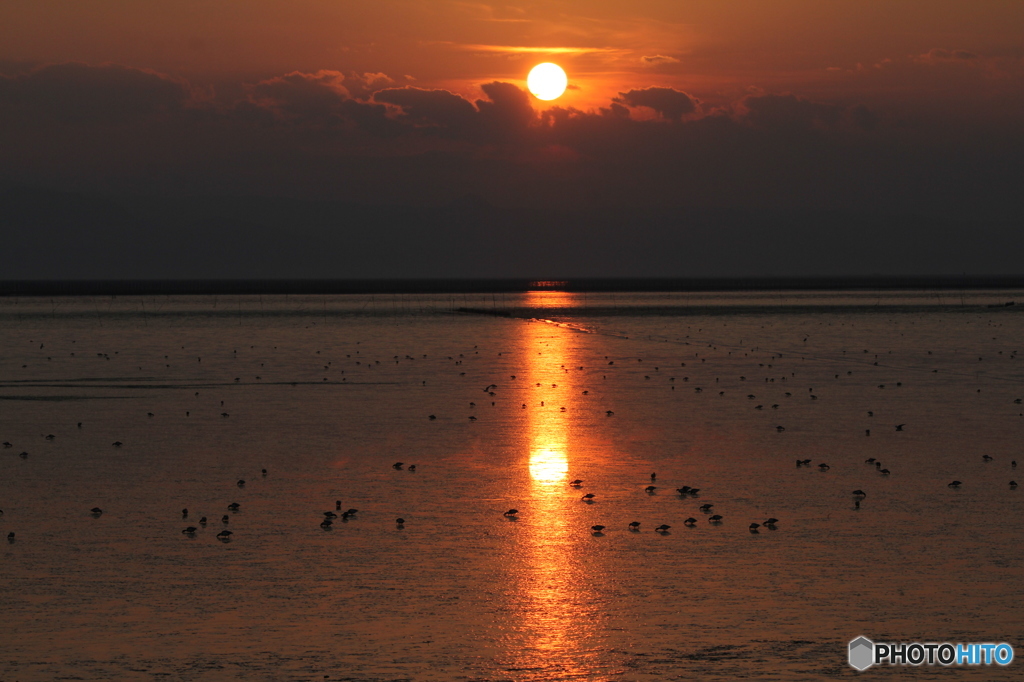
x: 862, y: 653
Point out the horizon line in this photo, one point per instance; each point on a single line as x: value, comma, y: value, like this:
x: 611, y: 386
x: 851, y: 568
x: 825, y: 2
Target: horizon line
x: 202, y: 286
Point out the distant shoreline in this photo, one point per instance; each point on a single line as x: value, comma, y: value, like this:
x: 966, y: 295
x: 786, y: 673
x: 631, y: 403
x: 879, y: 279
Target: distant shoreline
x: 448, y: 286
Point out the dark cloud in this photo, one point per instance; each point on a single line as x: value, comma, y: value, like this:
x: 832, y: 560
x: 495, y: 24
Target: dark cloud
x: 863, y: 117
x: 14, y: 67
x: 658, y: 59
x: 789, y: 112
x: 79, y: 93
x: 65, y: 236
x: 308, y: 135
x: 362, y: 85
x: 306, y: 96
x: 508, y: 112
x: 941, y: 55
x: 437, y: 109
x: 671, y: 104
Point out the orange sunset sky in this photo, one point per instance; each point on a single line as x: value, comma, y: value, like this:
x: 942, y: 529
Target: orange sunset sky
x: 900, y: 108
x: 719, y: 50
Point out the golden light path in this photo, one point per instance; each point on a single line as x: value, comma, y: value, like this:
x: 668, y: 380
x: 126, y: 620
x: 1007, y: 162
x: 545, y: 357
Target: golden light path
x: 553, y: 599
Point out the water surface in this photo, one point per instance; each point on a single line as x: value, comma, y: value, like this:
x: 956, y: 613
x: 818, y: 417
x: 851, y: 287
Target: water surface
x: 327, y: 393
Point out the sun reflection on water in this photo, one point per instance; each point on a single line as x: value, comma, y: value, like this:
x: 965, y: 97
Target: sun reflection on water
x: 548, y: 465
x: 554, y: 609
x: 551, y: 299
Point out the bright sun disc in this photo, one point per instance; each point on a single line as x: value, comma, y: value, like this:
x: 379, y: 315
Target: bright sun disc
x: 547, y: 81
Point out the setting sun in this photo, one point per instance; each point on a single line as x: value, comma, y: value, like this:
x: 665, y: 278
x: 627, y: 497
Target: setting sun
x: 547, y: 81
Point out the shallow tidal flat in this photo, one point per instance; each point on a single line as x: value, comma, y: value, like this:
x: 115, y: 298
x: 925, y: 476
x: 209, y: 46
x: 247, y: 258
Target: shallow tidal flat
x: 328, y: 393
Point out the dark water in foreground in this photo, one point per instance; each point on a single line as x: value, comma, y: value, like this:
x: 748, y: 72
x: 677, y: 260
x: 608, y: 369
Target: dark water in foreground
x: 327, y: 393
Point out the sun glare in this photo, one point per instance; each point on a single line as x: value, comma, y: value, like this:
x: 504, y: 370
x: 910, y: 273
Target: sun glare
x: 547, y: 81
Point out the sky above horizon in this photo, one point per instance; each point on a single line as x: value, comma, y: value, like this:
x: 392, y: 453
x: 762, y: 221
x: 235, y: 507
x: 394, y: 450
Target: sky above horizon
x: 909, y: 107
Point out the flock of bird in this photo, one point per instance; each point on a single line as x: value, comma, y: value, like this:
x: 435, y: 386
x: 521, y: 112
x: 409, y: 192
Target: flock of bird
x: 329, y: 517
